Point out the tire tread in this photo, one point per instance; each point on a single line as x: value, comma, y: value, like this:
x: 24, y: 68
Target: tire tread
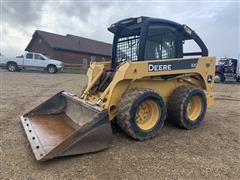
x: 124, y: 108
x: 176, y: 105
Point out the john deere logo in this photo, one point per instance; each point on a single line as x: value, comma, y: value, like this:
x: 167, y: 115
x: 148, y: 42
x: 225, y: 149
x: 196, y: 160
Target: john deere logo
x: 172, y: 65
x: 158, y: 67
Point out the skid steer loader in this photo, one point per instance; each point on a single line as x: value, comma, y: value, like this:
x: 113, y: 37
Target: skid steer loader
x: 150, y: 77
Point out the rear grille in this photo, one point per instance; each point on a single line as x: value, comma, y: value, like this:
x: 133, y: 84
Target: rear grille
x: 127, y: 48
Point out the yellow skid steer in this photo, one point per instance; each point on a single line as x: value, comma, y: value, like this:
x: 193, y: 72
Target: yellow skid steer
x: 150, y: 77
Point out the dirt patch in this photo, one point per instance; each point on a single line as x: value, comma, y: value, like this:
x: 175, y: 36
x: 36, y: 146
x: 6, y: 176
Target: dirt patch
x: 209, y: 152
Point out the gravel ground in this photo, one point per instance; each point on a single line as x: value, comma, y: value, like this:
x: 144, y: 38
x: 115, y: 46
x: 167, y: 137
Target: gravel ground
x: 211, y: 151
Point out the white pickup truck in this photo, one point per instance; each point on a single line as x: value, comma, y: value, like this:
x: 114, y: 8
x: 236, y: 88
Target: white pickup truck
x: 33, y: 61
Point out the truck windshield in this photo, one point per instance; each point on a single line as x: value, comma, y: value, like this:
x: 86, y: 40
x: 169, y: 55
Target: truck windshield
x: 45, y: 57
x: 222, y: 62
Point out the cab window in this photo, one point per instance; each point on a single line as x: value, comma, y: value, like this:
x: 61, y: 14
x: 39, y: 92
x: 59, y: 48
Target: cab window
x: 29, y: 56
x: 38, y: 57
x: 160, y: 43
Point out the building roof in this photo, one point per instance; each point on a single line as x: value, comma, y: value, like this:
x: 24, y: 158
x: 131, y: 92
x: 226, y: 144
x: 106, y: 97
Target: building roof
x: 73, y: 43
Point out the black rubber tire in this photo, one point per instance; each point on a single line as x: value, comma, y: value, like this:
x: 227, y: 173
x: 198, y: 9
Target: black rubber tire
x: 126, y: 113
x: 12, y: 67
x: 177, y: 106
x: 238, y: 79
x: 51, y: 69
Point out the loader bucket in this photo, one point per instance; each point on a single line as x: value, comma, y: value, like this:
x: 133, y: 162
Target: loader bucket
x: 66, y: 125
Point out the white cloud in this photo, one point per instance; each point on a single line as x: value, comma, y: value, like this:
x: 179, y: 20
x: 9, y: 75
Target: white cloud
x: 216, y: 22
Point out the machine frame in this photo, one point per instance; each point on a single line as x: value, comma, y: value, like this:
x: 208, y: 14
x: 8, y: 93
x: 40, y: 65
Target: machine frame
x: 194, y: 71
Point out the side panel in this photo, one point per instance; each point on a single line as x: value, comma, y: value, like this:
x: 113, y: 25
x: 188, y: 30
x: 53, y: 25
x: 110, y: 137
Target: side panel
x: 4, y: 61
x: 204, y: 66
x: 161, y: 76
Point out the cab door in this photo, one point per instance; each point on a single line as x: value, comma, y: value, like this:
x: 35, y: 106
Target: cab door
x: 29, y: 60
x: 161, y: 42
x: 40, y: 61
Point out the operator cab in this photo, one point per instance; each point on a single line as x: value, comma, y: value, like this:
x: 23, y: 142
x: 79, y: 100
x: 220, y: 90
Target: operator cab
x: 145, y: 38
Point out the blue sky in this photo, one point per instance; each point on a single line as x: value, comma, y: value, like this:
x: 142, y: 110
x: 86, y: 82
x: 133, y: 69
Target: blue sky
x: 216, y: 22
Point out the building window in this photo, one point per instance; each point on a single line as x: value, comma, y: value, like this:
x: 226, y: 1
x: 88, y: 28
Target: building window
x: 84, y: 61
x: 93, y: 58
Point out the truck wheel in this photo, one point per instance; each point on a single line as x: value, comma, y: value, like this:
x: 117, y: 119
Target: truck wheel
x: 141, y: 113
x: 219, y: 78
x: 187, y: 107
x: 12, y: 67
x: 51, y: 69
x: 238, y: 79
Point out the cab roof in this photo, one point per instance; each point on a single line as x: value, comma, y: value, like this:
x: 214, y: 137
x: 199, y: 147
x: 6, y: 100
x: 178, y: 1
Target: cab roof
x: 138, y: 22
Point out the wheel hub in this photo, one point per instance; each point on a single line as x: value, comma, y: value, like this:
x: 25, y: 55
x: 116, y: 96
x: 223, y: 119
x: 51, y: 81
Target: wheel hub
x: 194, y: 108
x: 217, y: 78
x: 147, y: 114
x: 51, y: 70
x: 11, y: 68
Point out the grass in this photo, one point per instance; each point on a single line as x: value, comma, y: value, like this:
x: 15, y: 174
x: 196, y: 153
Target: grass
x: 74, y: 70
